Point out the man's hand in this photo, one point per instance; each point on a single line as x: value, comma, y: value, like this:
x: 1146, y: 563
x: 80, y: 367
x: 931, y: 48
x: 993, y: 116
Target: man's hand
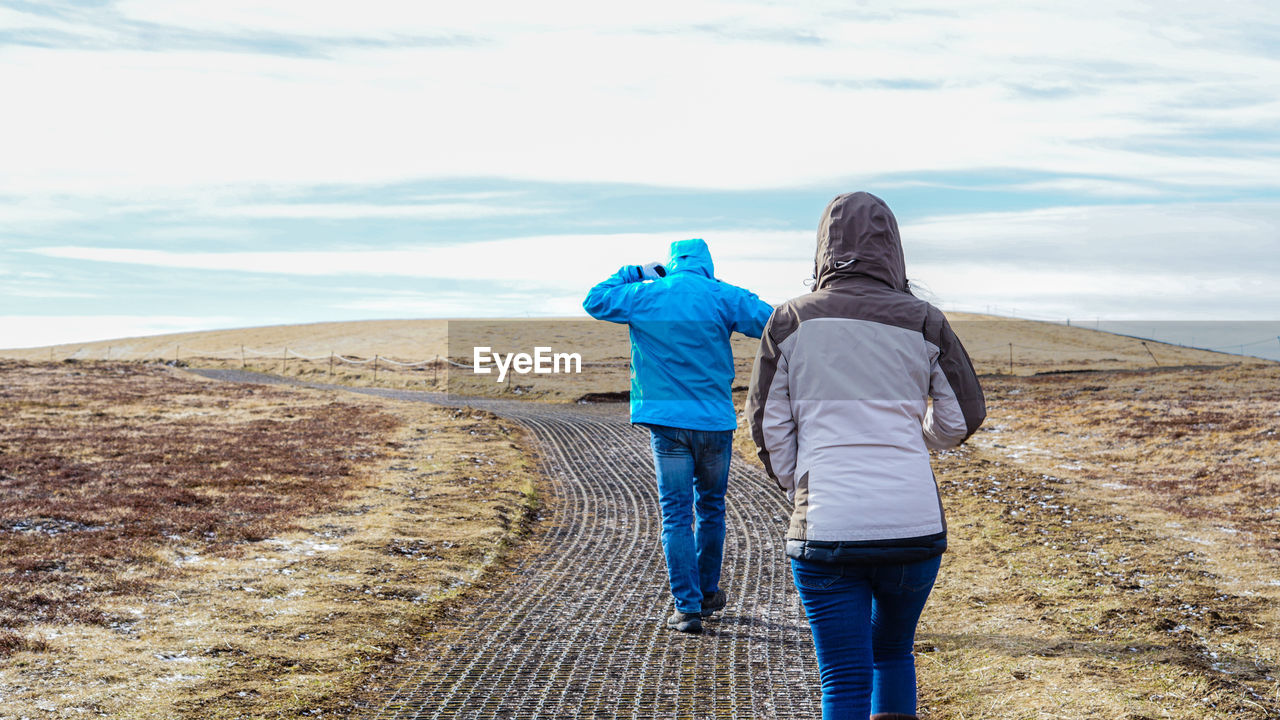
x: 637, y: 273
x: 653, y: 271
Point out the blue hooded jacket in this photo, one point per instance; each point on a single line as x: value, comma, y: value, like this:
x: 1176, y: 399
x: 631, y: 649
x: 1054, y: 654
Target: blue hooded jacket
x: 681, y: 361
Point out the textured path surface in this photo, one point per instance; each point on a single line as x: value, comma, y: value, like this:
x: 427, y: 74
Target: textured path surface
x: 578, y: 630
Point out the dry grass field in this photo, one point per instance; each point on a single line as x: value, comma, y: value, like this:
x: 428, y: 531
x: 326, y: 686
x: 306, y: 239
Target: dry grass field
x: 173, y: 547
x: 373, y: 348
x: 1113, y: 550
x: 405, y: 339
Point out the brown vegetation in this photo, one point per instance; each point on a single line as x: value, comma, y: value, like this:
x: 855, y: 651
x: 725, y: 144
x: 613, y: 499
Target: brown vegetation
x: 1112, y: 550
x: 172, y: 547
x: 997, y: 345
x: 1205, y: 444
x: 99, y: 465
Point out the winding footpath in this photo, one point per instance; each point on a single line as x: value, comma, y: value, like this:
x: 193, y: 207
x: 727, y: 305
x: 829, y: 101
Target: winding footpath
x: 578, y: 630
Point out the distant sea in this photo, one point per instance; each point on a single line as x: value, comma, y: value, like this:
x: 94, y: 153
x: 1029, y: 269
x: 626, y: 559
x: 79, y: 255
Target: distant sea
x: 1256, y: 338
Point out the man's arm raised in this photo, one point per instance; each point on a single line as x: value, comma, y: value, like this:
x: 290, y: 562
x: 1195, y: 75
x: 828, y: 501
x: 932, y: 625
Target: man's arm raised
x: 612, y: 298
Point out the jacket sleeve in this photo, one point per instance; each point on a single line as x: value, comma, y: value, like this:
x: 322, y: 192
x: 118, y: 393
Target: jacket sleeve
x: 773, y: 428
x: 751, y: 314
x: 958, y: 407
x: 613, y: 298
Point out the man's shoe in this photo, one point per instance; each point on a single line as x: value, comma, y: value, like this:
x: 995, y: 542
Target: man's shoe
x: 715, y: 603
x: 685, y: 622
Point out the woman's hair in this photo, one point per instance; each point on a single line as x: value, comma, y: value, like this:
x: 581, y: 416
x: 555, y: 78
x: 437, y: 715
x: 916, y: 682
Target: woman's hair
x: 922, y: 291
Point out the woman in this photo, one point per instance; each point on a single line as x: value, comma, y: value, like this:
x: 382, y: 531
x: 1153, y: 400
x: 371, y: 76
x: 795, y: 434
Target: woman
x: 839, y: 410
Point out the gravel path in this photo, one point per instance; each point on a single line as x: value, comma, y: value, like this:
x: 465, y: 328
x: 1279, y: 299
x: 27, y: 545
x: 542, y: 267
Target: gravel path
x: 578, y: 631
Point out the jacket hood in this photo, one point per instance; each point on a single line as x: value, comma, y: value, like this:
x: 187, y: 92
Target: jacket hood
x: 691, y: 256
x: 858, y: 235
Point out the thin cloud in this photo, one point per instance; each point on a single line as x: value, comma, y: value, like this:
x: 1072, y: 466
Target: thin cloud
x: 106, y: 28
x: 1101, y: 187
x: 1061, y: 90
x: 359, y: 211
x: 1191, y: 239
x: 1120, y: 294
x: 43, y: 294
x: 220, y: 128
x: 540, y: 268
x: 524, y: 259
x: 1218, y: 253
x: 460, y: 304
x: 757, y: 34
x: 883, y: 83
x: 40, y: 330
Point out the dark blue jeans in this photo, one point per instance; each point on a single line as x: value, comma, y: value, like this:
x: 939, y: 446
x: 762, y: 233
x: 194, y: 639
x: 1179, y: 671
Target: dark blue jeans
x: 864, y: 626
x: 693, y: 471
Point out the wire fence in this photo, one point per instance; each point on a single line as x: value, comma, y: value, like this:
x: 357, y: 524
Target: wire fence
x: 179, y: 352
x: 378, y: 361
x: 1140, y: 341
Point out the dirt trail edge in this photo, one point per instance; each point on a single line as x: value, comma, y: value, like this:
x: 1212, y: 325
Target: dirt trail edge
x: 577, y: 630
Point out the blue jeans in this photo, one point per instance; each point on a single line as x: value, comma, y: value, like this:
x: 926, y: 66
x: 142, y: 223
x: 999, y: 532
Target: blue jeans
x: 863, y: 619
x: 693, y: 471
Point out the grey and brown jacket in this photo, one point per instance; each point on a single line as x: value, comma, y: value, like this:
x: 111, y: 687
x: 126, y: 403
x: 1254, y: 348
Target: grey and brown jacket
x: 839, y: 401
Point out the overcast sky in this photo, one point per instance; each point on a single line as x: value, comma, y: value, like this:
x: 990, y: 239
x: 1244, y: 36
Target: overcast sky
x: 171, y: 165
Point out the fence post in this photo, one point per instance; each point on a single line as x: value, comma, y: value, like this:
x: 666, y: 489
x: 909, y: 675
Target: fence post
x: 330, y: 364
x: 177, y: 350
x: 435, y: 369
x: 1010, y: 358
x: 375, y: 368
x: 243, y: 365
x: 1153, y: 355
x: 284, y: 360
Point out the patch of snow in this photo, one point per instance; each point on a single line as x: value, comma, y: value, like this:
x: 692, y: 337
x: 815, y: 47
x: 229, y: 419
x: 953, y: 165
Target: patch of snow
x: 176, y: 678
x: 304, y: 547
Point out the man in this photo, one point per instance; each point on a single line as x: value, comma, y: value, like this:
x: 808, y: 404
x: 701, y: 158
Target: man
x: 680, y: 318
